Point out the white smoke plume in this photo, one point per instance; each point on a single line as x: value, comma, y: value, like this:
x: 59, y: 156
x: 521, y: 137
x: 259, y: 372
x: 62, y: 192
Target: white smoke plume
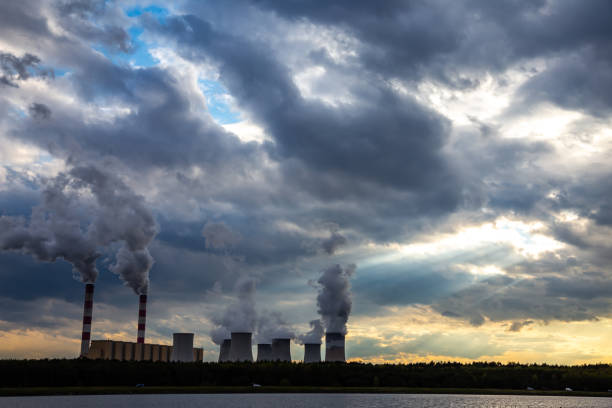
x: 314, y: 335
x: 272, y: 325
x: 82, y: 212
x: 218, y: 334
x: 334, y: 299
x: 240, y: 315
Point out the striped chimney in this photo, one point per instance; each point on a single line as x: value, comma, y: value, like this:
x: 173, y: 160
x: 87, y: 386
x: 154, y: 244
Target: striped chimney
x: 142, y: 318
x: 87, y: 313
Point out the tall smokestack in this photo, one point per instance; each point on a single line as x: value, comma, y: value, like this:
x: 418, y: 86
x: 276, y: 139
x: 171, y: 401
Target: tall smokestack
x: 224, y: 351
x: 142, y: 319
x: 264, y: 352
x: 312, y: 353
x: 334, y: 347
x: 241, y: 349
x: 281, y: 350
x: 87, y: 314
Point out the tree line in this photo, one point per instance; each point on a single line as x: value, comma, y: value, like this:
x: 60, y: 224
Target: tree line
x: 82, y: 372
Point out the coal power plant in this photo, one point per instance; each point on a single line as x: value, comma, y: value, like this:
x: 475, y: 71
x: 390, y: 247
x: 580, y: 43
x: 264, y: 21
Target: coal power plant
x: 224, y: 351
x: 241, y: 349
x: 264, y: 352
x: 281, y: 350
x: 182, y: 347
x: 312, y: 353
x: 334, y: 347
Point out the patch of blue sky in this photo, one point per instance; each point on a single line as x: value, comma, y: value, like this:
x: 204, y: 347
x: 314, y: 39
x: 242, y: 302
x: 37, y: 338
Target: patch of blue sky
x: 160, y: 13
x: 217, y: 102
x: 139, y: 57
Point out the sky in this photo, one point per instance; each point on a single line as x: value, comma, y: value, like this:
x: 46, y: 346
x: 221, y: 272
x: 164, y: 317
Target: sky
x: 443, y: 165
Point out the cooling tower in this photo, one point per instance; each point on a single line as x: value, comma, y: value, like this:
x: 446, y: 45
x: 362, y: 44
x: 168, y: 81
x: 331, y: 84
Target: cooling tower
x: 264, y: 352
x: 241, y: 349
x: 142, y: 319
x: 182, y: 347
x: 87, y: 314
x: 281, y: 349
x: 224, y: 351
x: 312, y: 353
x: 334, y: 347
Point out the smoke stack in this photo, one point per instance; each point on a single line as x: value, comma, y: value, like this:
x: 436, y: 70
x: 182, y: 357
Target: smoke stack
x: 241, y: 349
x: 334, y: 347
x: 224, y: 351
x: 182, y: 347
x: 264, y: 352
x: 312, y: 353
x: 87, y: 314
x: 142, y: 319
x: 281, y: 350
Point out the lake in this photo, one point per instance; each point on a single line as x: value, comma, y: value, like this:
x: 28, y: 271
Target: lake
x: 303, y: 401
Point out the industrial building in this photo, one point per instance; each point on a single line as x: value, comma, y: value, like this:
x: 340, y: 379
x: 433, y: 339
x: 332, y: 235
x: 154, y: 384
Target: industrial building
x: 334, y: 347
x: 312, y: 352
x: 281, y: 350
x: 240, y: 349
x: 224, y: 351
x: 128, y: 351
x: 182, y: 348
x: 264, y: 352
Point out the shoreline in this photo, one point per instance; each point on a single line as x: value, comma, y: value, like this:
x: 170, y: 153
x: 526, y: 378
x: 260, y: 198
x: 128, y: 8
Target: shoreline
x: 123, y: 390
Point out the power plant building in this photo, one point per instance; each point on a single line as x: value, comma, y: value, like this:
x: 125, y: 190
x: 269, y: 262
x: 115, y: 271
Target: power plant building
x: 128, y: 351
x: 224, y: 351
x: 281, y: 350
x: 334, y: 347
x: 312, y: 353
x: 241, y: 349
x: 264, y: 352
x: 182, y: 347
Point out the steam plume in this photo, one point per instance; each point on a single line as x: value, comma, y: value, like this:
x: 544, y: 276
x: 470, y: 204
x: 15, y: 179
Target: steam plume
x: 314, y: 335
x: 83, y: 211
x: 271, y: 325
x: 334, y: 299
x: 240, y: 315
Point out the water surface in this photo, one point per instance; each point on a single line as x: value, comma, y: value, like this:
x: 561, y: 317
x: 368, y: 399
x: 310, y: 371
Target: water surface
x: 304, y: 401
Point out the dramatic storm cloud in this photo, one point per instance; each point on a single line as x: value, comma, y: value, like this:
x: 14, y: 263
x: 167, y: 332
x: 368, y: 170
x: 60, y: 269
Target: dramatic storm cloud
x: 455, y: 153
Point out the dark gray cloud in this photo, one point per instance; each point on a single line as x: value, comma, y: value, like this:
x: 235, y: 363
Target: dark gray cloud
x: 554, y: 290
x: 39, y: 111
x: 331, y: 244
x: 15, y: 69
x: 382, y: 124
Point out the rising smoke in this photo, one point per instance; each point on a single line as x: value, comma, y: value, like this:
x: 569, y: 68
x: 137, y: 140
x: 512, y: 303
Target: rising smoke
x: 82, y: 212
x: 334, y: 299
x: 240, y: 315
x: 272, y: 325
x: 314, y: 335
